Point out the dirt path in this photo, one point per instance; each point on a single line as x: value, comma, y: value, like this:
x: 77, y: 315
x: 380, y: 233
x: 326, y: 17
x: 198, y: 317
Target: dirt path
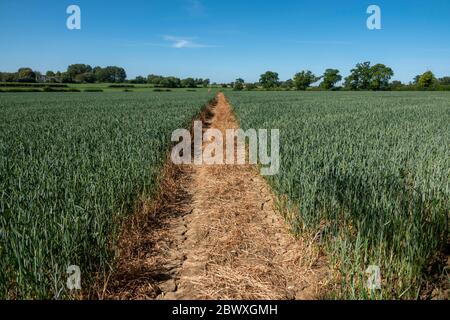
x: 215, y: 235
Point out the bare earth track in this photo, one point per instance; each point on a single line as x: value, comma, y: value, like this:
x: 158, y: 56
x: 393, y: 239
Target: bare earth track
x: 214, y: 234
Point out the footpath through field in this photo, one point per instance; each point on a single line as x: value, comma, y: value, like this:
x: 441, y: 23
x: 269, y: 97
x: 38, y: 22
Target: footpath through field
x: 215, y: 235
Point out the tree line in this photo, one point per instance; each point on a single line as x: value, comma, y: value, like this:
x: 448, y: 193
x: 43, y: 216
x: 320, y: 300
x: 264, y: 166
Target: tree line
x: 363, y: 76
x: 75, y: 73
x: 84, y: 73
x: 172, y: 82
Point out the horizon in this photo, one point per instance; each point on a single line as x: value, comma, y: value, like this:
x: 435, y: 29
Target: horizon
x: 223, y: 42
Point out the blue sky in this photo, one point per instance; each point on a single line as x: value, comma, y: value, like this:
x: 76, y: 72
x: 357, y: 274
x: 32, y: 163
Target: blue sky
x: 223, y: 40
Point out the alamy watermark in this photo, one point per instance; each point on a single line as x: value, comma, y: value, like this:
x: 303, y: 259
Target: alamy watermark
x: 374, y: 20
x: 74, y: 20
x: 374, y: 278
x: 74, y: 278
x: 212, y: 148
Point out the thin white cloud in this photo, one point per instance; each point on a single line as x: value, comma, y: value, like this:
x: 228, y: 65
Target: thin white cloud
x: 185, y: 42
x: 170, y: 42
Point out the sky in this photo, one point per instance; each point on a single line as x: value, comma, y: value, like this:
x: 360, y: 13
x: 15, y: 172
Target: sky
x: 224, y: 40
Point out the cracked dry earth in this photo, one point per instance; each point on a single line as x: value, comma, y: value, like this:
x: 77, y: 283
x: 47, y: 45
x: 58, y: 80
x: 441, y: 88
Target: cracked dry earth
x: 215, y: 235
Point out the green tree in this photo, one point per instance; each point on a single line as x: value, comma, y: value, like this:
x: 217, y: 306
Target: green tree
x: 269, y: 80
x: 360, y: 77
x: 26, y: 75
x: 75, y: 70
x: 118, y: 74
x: 87, y: 77
x: 170, y: 82
x: 380, y: 76
x: 427, y: 80
x: 154, y: 79
x: 205, y: 83
x: 250, y: 86
x: 110, y: 74
x: 288, y: 84
x: 101, y: 75
x: 304, y: 79
x: 416, y: 79
x: 444, y: 80
x: 238, y: 85
x: 189, y: 83
x: 9, y: 77
x: 330, y: 78
x: 396, y: 85
x: 139, y: 80
x: 65, y: 78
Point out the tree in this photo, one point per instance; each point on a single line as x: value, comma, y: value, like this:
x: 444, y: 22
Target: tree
x: 288, y: 84
x: 239, y: 84
x: 87, y: 77
x: 205, y: 83
x: 330, y: 78
x: 380, y: 76
x: 101, y: 75
x: 200, y: 82
x: 189, y: 83
x: 77, y: 69
x: 26, y: 75
x: 416, y: 79
x: 8, y: 77
x: 395, y: 85
x: 170, y: 82
x: 139, y: 80
x: 269, y: 80
x: 52, y: 77
x: 444, y: 80
x: 250, y: 86
x: 110, y: 74
x: 118, y: 74
x: 360, y: 77
x: 154, y: 79
x: 304, y: 79
x: 365, y: 77
x: 427, y: 80
x: 65, y: 78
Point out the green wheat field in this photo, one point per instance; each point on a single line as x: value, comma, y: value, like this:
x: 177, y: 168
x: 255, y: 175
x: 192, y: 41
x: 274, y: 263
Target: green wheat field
x: 369, y: 172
